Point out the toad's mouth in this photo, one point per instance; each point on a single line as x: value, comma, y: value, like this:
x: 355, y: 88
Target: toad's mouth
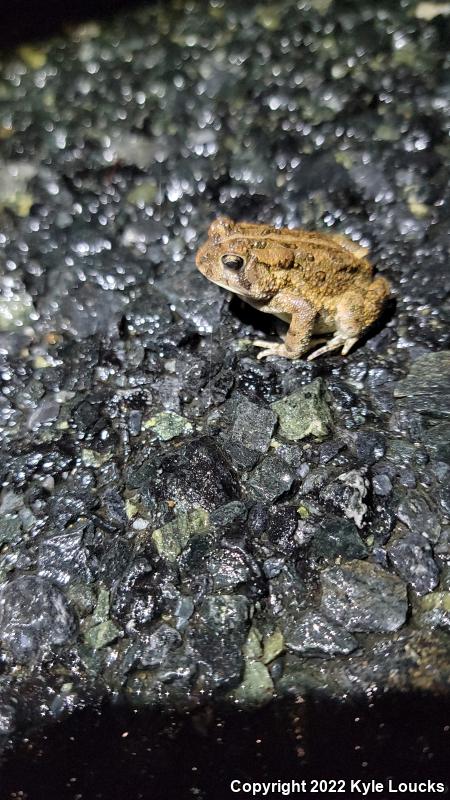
x: 240, y: 292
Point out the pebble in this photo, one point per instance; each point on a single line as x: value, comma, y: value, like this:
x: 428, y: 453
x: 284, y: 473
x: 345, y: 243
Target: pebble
x: 34, y: 616
x: 362, y: 597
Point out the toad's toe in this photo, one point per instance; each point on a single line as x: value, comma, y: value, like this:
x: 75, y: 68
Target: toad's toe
x: 334, y: 344
x: 348, y: 345
x: 271, y: 349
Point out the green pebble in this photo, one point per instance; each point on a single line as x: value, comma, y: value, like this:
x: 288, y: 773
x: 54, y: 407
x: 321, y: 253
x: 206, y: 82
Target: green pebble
x: 304, y: 413
x: 100, y: 635
x: 101, y: 612
x: 256, y: 687
x: 168, y: 425
x: 172, y: 538
x: 273, y: 646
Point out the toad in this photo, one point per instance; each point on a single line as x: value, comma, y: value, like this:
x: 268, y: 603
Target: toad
x: 319, y: 283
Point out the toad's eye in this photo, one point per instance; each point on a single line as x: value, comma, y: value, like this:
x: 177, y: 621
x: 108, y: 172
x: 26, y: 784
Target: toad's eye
x: 232, y: 261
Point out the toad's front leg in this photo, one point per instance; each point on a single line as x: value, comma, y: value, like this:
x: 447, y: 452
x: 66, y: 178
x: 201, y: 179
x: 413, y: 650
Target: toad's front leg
x: 297, y: 341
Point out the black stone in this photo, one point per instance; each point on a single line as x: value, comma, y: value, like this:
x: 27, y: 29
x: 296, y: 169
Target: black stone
x: 271, y: 479
x: 363, y: 597
x: 337, y: 537
x: 197, y: 475
x: 217, y: 640
x: 276, y: 526
x: 427, y: 387
x: 412, y: 558
x: 312, y: 634
x: 64, y: 558
x: 34, y: 617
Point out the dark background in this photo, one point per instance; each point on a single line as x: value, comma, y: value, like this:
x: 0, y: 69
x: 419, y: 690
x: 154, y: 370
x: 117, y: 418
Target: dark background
x: 118, y: 753
x: 26, y: 20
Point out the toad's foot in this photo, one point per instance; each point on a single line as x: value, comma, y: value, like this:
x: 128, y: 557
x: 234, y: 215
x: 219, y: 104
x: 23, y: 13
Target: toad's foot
x: 334, y: 344
x: 280, y: 349
x: 271, y: 349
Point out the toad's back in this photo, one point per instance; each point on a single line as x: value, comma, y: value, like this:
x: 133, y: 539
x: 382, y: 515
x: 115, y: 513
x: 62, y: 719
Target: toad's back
x: 317, y: 266
x: 325, y: 266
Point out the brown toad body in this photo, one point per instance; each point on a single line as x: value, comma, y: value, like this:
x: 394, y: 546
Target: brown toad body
x: 319, y: 283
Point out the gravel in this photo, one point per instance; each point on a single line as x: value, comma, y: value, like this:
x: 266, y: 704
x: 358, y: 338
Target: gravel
x: 163, y: 492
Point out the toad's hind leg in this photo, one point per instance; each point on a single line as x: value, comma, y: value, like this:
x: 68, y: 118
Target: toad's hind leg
x: 349, y: 324
x: 355, y: 312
